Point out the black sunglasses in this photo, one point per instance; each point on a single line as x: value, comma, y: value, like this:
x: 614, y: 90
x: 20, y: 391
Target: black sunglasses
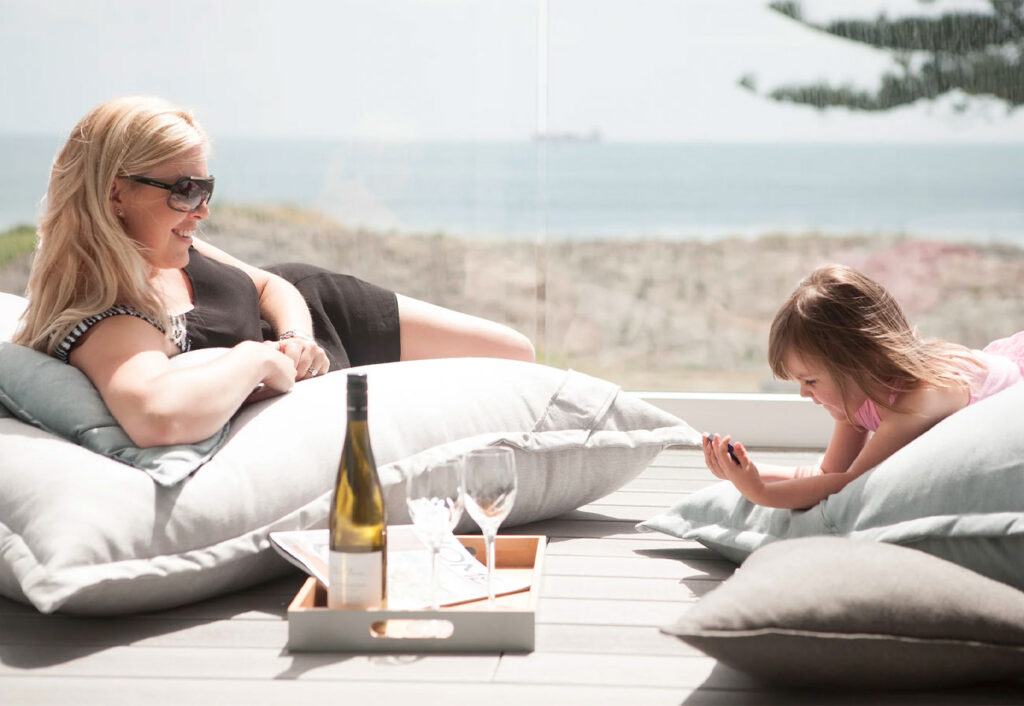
x: 187, y: 194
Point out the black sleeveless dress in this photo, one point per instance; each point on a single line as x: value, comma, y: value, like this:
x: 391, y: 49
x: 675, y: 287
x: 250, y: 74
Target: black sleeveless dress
x: 354, y: 321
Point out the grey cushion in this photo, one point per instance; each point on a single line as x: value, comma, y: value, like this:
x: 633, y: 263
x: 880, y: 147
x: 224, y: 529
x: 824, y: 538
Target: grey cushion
x: 956, y: 492
x: 82, y: 533
x: 827, y: 612
x: 56, y: 397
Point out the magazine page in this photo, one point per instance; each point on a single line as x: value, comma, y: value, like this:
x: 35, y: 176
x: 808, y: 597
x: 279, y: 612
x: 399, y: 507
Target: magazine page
x: 461, y: 576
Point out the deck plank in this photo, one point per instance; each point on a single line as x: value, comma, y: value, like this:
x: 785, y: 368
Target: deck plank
x: 626, y: 546
x: 636, y: 613
x: 114, y: 691
x: 133, y: 662
x: 662, y: 565
x: 605, y: 670
x: 610, y: 639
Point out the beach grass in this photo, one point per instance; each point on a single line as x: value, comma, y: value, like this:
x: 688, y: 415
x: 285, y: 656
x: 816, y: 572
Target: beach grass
x: 648, y: 314
x: 16, y: 243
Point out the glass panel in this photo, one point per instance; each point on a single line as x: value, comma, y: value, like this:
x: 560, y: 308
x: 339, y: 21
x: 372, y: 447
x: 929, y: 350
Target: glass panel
x: 690, y: 186
x: 636, y: 185
x: 387, y: 139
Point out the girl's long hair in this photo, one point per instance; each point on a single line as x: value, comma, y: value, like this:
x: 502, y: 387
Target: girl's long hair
x: 85, y: 261
x: 851, y: 325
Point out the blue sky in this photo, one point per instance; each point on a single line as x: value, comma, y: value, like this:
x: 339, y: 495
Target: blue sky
x: 461, y: 69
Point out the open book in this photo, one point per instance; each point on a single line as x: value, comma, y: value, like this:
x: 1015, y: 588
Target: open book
x: 460, y: 576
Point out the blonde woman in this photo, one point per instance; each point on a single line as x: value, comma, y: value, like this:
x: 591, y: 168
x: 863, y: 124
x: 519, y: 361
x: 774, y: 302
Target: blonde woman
x: 845, y: 339
x: 120, y: 283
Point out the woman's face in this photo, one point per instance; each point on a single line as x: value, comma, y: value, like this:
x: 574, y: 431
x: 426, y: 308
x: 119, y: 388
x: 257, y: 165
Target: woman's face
x: 166, y: 234
x: 818, y: 385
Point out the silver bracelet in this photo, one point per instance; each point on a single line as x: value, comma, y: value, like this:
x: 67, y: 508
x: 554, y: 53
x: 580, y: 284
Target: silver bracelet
x: 292, y: 333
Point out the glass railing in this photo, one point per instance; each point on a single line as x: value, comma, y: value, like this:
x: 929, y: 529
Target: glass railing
x: 635, y: 185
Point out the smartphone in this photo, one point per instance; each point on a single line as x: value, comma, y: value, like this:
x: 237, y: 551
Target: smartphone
x: 732, y: 455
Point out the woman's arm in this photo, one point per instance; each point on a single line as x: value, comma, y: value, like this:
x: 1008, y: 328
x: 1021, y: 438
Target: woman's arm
x: 280, y: 302
x: 126, y: 359
x: 282, y: 305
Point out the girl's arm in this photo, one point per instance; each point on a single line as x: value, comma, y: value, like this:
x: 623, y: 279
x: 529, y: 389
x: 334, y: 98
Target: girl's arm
x: 126, y: 359
x: 925, y: 407
x: 282, y: 305
x: 846, y: 443
x: 794, y: 492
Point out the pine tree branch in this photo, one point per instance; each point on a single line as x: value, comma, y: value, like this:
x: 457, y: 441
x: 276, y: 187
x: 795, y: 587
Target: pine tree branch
x: 968, y: 52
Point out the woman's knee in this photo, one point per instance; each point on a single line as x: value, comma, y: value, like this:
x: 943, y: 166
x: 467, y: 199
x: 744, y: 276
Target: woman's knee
x: 520, y: 347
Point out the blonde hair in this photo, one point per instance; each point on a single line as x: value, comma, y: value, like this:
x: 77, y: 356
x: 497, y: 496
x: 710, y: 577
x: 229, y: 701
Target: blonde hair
x: 854, y: 328
x: 85, y: 261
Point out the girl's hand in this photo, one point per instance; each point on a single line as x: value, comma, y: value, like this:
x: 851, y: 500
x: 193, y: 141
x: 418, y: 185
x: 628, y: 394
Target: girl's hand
x: 309, y: 358
x: 710, y: 458
x: 744, y: 474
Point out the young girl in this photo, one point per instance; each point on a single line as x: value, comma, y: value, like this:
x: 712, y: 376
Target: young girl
x: 844, y: 338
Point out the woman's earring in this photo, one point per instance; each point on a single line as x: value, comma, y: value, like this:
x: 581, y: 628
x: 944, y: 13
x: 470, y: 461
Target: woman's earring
x: 120, y: 214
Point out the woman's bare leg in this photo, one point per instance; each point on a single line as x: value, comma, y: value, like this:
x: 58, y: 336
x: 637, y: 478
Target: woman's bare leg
x: 430, y: 331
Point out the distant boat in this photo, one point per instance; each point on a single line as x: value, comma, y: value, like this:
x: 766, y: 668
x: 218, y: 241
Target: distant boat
x: 592, y: 136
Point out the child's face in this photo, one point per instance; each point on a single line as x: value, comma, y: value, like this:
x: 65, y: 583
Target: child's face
x: 818, y: 385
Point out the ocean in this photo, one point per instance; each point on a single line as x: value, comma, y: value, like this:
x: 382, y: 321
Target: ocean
x: 559, y: 189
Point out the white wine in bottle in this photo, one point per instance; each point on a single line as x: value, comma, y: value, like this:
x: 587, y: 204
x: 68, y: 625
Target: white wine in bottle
x: 358, y: 530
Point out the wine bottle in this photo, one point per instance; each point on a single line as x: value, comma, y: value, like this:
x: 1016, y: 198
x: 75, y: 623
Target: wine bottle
x: 357, y: 567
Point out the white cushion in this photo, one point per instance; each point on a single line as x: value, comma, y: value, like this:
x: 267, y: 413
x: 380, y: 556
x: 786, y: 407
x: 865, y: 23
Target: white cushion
x: 83, y: 533
x: 956, y: 492
x: 11, y: 307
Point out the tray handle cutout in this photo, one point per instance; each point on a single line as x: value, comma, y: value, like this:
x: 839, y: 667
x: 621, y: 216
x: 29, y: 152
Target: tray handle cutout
x: 402, y: 629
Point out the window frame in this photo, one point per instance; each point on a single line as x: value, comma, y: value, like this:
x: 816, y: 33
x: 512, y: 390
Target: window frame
x: 765, y: 420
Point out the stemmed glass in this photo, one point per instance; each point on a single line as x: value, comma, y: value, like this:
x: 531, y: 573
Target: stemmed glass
x: 490, y: 486
x: 434, y: 498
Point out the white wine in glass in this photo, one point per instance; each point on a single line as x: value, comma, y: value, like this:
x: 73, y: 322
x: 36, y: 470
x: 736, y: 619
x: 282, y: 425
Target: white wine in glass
x: 490, y: 488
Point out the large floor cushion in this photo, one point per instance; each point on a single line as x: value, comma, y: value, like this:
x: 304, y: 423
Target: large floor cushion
x: 82, y: 532
x: 956, y: 492
x: 11, y: 307
x: 835, y: 613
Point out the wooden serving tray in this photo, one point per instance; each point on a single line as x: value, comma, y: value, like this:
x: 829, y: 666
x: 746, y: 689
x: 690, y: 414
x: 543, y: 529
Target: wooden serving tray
x: 467, y: 627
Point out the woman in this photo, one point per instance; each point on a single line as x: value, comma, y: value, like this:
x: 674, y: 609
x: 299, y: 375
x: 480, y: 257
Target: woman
x: 120, y: 283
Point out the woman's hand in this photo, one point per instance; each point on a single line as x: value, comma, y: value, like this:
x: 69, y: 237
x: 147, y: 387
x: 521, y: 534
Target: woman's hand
x: 282, y: 305
x: 741, y: 472
x: 309, y: 358
x: 278, y: 370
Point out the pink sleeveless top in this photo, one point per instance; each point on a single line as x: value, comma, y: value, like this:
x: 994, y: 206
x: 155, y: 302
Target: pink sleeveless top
x: 1004, y: 366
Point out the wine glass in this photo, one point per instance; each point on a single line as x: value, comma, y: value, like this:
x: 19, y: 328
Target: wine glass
x: 434, y: 498
x: 490, y: 487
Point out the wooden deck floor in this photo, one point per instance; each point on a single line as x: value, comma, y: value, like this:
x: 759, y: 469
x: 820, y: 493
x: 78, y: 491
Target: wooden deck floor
x: 606, y: 590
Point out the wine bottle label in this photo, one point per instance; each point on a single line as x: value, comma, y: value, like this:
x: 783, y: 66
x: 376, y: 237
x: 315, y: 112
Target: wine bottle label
x: 356, y: 580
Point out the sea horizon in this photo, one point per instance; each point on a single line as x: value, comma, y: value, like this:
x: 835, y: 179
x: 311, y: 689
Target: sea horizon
x: 601, y: 189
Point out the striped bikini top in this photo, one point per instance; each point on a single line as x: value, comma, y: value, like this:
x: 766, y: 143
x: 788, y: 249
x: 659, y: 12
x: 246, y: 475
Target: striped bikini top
x: 179, y: 334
